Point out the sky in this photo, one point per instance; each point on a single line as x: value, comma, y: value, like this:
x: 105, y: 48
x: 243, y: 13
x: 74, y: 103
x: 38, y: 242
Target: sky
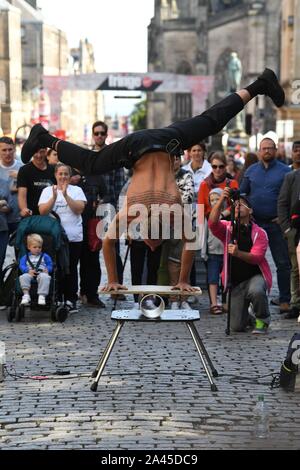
x: 116, y: 28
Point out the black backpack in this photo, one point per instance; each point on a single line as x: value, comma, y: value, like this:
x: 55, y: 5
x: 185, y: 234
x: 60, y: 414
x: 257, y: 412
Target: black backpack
x: 8, y: 283
x: 290, y: 366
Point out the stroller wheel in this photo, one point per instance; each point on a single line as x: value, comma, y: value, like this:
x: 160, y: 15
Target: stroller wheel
x: 53, y: 313
x: 22, y: 312
x: 61, y: 314
x: 11, y: 314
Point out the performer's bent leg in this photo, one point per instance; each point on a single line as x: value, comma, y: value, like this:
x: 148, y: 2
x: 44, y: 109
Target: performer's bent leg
x: 87, y: 161
x: 192, y: 131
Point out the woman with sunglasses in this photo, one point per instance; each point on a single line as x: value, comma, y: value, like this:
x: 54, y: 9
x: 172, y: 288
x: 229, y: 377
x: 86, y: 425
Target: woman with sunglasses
x: 217, y: 179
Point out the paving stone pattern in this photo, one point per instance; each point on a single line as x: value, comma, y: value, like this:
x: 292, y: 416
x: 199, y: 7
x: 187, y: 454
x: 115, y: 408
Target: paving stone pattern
x: 153, y: 394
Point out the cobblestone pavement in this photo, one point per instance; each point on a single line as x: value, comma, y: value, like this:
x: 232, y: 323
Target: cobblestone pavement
x: 153, y: 394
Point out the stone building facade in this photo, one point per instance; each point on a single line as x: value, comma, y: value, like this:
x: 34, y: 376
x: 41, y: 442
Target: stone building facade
x: 177, y: 43
x: 44, y: 47
x: 197, y: 37
x: 30, y: 50
x: 290, y: 68
x: 81, y: 108
x: 10, y: 68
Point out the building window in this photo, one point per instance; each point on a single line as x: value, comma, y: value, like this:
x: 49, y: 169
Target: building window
x: 182, y: 106
x: 25, y: 85
x: 23, y: 35
x: 184, y: 68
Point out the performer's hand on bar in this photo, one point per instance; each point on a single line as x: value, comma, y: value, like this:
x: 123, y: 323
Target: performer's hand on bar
x: 185, y: 286
x: 113, y: 287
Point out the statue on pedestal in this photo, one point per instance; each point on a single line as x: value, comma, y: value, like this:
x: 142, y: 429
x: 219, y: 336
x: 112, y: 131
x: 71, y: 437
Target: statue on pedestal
x: 235, y: 71
x: 234, y: 77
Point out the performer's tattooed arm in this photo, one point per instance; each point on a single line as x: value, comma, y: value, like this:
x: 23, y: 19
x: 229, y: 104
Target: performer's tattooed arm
x: 109, y: 253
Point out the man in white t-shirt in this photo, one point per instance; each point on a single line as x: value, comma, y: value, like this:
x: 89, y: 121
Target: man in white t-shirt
x: 9, y: 168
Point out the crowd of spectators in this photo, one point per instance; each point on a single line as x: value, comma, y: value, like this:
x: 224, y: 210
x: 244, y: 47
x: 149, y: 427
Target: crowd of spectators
x: 266, y: 186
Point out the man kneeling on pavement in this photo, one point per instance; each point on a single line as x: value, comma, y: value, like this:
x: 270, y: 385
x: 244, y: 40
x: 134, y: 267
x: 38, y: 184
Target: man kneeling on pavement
x: 251, y: 276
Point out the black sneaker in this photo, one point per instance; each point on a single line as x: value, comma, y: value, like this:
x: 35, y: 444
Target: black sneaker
x: 292, y: 314
x: 32, y: 144
x: 273, y: 87
x: 95, y: 303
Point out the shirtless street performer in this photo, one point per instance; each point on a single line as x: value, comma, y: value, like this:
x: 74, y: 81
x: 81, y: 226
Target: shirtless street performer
x: 149, y: 152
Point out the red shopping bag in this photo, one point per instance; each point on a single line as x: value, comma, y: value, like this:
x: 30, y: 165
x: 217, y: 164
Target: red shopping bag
x: 95, y: 243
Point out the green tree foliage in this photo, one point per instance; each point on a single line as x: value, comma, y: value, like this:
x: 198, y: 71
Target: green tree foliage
x: 138, y: 116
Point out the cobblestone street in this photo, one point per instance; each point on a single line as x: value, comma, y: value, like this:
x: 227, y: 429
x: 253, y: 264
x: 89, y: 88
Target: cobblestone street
x: 153, y: 394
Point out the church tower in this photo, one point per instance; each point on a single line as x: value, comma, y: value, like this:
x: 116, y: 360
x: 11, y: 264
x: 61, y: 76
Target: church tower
x: 177, y: 41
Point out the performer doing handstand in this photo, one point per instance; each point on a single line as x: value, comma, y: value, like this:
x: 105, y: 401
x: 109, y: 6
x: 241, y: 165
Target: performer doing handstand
x: 148, y: 153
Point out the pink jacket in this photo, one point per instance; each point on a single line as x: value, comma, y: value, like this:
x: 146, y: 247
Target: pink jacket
x: 260, y: 242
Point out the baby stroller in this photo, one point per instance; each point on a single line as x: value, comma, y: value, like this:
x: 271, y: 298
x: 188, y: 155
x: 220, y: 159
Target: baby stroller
x: 51, y: 231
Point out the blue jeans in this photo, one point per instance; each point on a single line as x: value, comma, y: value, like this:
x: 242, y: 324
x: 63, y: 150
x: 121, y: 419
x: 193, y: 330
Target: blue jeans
x: 214, y: 268
x: 280, y: 254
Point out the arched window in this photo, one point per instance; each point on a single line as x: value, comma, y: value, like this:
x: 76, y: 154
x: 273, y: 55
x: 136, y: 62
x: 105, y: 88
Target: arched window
x: 184, y: 68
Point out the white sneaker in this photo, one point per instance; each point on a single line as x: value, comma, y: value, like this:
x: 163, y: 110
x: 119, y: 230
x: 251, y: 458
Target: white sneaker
x: 185, y: 305
x: 42, y: 300
x: 174, y: 306
x: 26, y: 299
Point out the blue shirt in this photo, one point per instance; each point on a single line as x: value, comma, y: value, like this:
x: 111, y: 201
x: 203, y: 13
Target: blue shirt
x: 262, y: 185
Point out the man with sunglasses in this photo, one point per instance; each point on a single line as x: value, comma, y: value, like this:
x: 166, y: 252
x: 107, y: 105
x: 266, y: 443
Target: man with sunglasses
x: 114, y: 180
x: 250, y: 275
x: 262, y: 183
x: 149, y: 152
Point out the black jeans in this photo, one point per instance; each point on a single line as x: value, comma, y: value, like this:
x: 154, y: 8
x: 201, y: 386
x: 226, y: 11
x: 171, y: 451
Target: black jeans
x: 138, y: 253
x: 68, y: 286
x: 128, y: 150
x: 90, y: 272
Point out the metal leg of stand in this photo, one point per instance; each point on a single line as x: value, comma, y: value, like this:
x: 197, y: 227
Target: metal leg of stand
x: 94, y: 374
x: 203, y: 355
x: 199, y: 340
x: 105, y: 356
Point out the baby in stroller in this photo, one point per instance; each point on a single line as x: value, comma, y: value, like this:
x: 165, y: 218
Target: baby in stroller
x: 35, y: 265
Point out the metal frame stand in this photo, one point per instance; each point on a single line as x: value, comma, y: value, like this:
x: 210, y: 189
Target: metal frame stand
x: 105, y: 356
x: 204, y: 357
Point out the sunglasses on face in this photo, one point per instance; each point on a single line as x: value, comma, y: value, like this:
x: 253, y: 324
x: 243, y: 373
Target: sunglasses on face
x: 96, y: 134
x: 215, y: 167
